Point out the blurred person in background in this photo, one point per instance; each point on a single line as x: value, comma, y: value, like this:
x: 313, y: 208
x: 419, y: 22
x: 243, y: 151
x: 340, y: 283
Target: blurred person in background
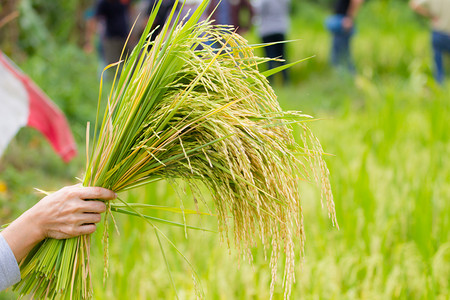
x: 115, y: 16
x: 342, y: 26
x: 241, y: 15
x: 220, y: 11
x: 61, y: 215
x: 161, y: 16
x: 220, y: 14
x: 438, y: 11
x: 189, y: 7
x: 273, y: 23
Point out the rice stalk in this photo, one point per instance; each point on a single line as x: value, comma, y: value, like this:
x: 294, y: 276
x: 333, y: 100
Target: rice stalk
x: 193, y: 105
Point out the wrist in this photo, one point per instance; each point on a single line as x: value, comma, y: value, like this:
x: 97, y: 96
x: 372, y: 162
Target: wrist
x: 32, y: 223
x: 21, y: 236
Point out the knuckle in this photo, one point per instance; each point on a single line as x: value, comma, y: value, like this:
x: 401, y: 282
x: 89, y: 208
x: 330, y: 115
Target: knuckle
x: 72, y: 230
x: 70, y: 194
x: 71, y: 219
x: 71, y: 207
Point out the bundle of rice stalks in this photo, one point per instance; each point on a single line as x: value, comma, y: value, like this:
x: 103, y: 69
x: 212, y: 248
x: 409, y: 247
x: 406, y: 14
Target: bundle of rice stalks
x: 193, y: 105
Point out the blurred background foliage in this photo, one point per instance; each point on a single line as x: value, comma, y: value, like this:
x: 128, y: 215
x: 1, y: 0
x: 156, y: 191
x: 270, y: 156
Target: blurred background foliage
x: 386, y: 130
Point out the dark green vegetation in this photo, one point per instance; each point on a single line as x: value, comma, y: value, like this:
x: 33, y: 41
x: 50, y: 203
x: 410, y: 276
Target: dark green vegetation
x: 387, y: 130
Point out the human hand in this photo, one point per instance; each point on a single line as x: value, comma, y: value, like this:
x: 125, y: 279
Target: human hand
x: 88, y: 48
x: 435, y: 21
x: 347, y: 23
x: 66, y: 213
x: 63, y: 214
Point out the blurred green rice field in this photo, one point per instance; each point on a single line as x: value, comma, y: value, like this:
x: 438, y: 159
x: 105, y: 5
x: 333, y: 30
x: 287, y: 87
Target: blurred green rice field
x: 387, y: 133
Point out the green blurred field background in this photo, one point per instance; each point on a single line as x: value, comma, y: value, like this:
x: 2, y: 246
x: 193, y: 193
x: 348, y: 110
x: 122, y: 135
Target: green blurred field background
x: 387, y: 130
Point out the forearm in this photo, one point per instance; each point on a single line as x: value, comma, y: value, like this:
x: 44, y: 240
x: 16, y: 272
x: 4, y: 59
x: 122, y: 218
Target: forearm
x: 354, y: 7
x: 91, y: 28
x: 420, y: 9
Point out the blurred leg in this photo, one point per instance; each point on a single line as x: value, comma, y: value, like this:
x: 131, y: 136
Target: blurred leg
x: 270, y: 50
x: 113, y: 49
x: 436, y: 42
x: 334, y: 25
x: 335, y: 49
x: 276, y: 51
x: 340, y: 54
x: 281, y: 53
x: 441, y: 45
x: 285, y: 72
x: 347, y: 59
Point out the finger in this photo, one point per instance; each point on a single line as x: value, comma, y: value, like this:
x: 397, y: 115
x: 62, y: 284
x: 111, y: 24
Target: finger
x: 89, y: 218
x: 86, y: 229
x: 96, y: 193
x: 92, y: 206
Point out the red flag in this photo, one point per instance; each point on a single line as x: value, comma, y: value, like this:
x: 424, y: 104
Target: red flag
x: 22, y: 103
